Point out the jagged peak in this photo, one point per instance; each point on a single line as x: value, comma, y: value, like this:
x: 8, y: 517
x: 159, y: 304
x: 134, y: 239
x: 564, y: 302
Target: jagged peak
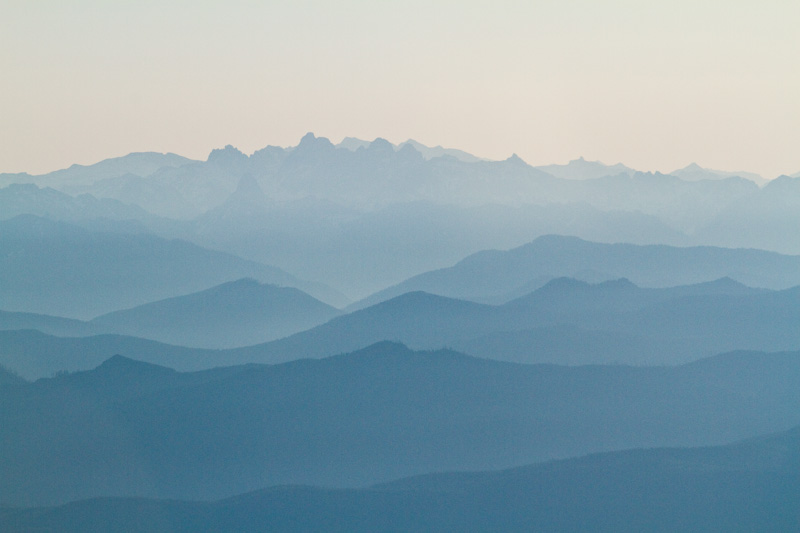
x: 227, y: 154
x: 352, y: 144
x: 312, y: 142
x: 515, y: 159
x: 409, y: 151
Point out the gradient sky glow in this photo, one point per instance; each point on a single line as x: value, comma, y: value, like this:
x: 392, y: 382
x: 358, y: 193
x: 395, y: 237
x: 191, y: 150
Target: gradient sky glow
x: 655, y: 85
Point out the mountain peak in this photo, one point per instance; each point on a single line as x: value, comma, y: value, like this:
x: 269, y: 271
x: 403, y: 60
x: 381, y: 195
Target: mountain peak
x: 311, y: 143
x: 563, y: 283
x: 694, y: 172
x: 617, y: 284
x: 352, y: 143
x: 384, y: 347
x: 438, y: 151
x: 583, y: 169
x: 117, y: 360
x: 409, y: 151
x: 238, y: 283
x: 559, y: 285
x: 119, y: 365
x: 227, y: 155
x: 381, y: 145
x: 724, y: 285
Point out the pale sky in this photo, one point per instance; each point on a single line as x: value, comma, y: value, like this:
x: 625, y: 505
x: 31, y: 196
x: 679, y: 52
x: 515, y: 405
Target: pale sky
x: 655, y: 85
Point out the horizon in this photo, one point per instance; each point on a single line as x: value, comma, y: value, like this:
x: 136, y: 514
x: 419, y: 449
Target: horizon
x: 399, y: 143
x: 653, y: 86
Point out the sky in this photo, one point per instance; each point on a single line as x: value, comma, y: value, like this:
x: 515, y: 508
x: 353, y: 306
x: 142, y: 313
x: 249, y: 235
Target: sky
x: 655, y: 85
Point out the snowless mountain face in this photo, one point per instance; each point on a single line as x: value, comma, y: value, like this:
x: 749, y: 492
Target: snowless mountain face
x: 383, y: 412
x: 60, y: 269
x: 237, y: 313
x: 438, y: 151
x: 78, y: 177
x: 566, y: 322
x: 580, y: 169
x: 497, y: 276
x: 28, y: 199
x: 694, y: 172
x: 353, y: 144
x: 750, y: 485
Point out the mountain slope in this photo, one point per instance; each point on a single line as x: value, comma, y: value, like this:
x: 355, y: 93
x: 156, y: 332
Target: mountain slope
x: 362, y: 252
x: 353, y: 144
x: 75, y: 177
x: 34, y: 355
x: 28, y: 199
x: 237, y: 313
x: 101, y: 272
x: 9, y: 378
x: 762, y: 219
x: 418, y: 319
x: 567, y: 318
x: 747, y: 486
x: 493, y: 274
x: 564, y: 322
x: 694, y: 172
x: 666, y: 501
x: 53, y: 325
x: 131, y: 429
x: 580, y: 169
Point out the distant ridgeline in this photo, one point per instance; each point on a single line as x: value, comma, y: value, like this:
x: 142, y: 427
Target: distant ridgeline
x: 747, y: 486
x: 128, y: 428
x: 360, y: 216
x: 509, y: 306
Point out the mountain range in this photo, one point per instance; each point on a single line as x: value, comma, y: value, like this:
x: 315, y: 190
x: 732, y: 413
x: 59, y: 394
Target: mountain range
x: 76, y: 176
x: 60, y: 269
x: 497, y: 276
x: 746, y: 486
x: 132, y: 429
x: 694, y: 172
x: 395, y: 337
x: 675, y: 325
x: 354, y: 144
x: 580, y: 169
x: 564, y: 322
x: 361, y: 216
x: 236, y: 313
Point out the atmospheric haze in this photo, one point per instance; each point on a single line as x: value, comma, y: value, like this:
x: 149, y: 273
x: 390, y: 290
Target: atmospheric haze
x: 374, y: 266
x: 652, y: 84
